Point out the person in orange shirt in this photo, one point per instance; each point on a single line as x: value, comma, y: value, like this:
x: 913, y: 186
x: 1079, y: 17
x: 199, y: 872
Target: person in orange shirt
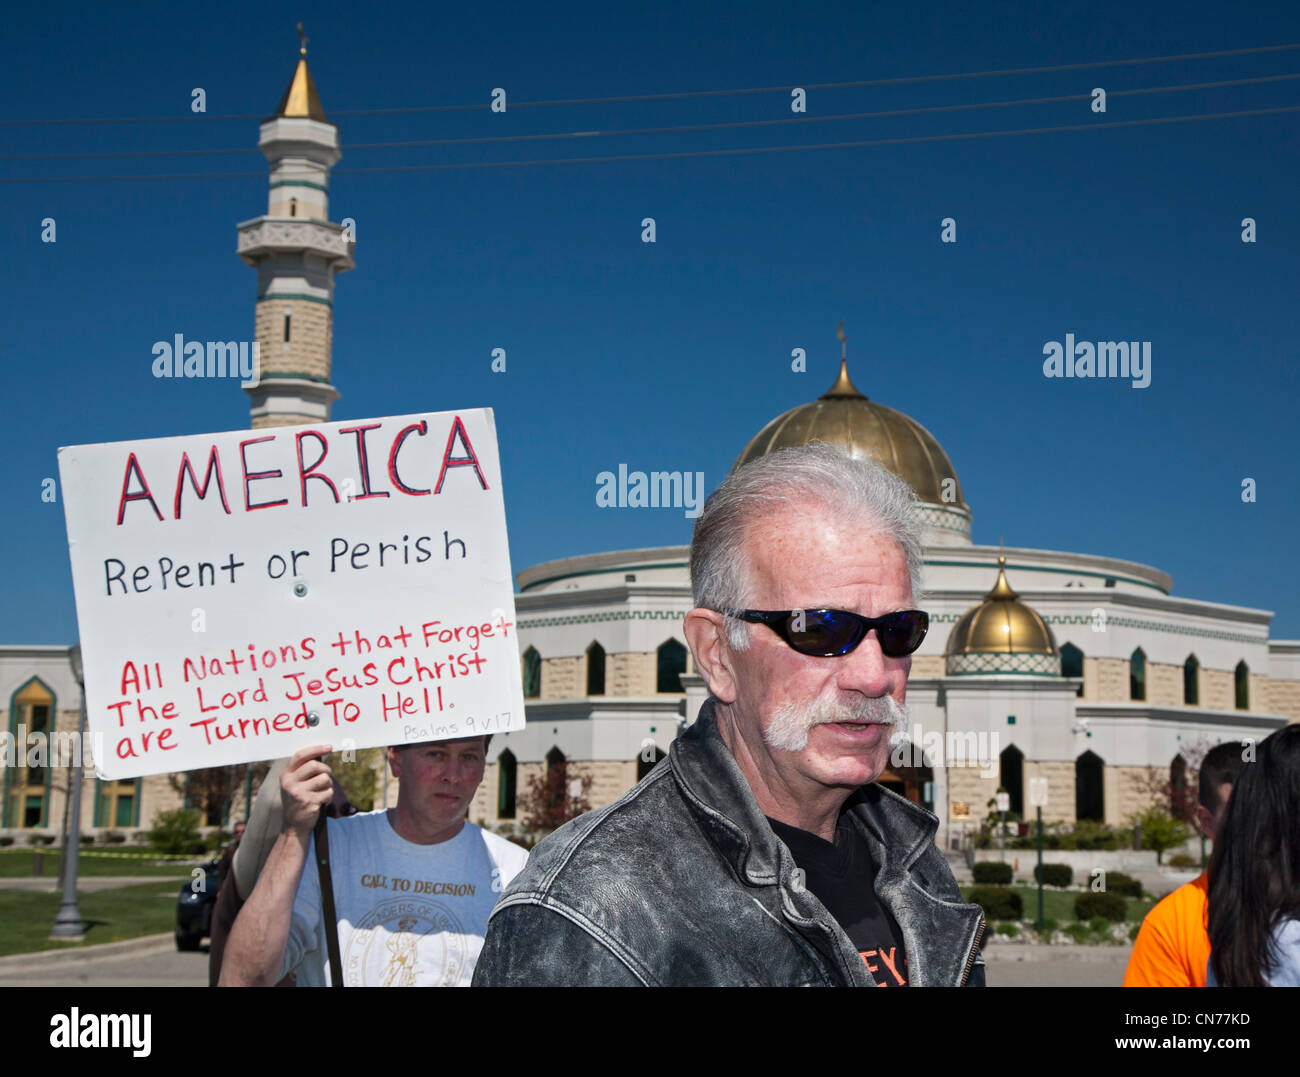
x: 1173, y: 944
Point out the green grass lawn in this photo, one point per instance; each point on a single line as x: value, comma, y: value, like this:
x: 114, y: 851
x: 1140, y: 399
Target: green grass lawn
x: 111, y: 916
x: 21, y: 863
x: 1058, y: 905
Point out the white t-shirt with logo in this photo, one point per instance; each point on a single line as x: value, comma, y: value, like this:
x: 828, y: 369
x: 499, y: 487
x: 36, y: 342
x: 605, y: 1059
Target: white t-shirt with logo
x: 409, y: 915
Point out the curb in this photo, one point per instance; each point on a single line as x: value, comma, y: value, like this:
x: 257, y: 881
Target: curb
x: 1032, y: 953
x: 75, y: 955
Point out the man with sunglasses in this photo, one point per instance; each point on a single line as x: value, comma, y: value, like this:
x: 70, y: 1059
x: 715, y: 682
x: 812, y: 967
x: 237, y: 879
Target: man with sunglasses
x: 761, y: 852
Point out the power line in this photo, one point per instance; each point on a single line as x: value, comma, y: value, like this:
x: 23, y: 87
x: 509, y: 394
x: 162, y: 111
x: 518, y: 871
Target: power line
x: 677, y: 129
x: 860, y: 83
x: 687, y: 153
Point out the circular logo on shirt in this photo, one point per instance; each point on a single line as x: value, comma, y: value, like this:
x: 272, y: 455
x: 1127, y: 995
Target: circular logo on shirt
x: 405, y: 942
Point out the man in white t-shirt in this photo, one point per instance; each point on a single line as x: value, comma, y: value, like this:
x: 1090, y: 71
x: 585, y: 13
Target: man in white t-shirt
x: 413, y: 885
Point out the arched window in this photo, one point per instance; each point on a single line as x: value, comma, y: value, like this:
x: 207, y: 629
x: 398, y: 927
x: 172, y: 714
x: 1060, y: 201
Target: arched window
x: 647, y: 759
x: 671, y: 665
x: 507, y: 768
x: 595, y: 670
x: 532, y: 673
x: 288, y: 319
x: 1191, y: 678
x: 1137, y: 675
x: 556, y: 765
x: 1072, y: 664
x: 1241, y: 684
x: 293, y: 207
x: 1182, y: 801
x: 1011, y: 776
x: 1089, y: 787
x: 27, y: 787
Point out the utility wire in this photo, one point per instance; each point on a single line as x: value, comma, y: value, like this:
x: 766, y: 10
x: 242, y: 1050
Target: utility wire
x: 678, y: 129
x: 900, y: 81
x: 687, y: 153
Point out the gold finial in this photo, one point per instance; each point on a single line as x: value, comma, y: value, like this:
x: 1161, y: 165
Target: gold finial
x: 844, y: 341
x: 302, y: 48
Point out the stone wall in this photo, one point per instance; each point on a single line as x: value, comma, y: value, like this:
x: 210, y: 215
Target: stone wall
x: 1164, y: 685
x: 1111, y: 677
x: 630, y: 674
x: 307, y: 351
x: 563, y: 678
x: 966, y: 784
x: 1126, y: 791
x: 1217, y: 690
x: 1060, y: 790
x: 929, y: 665
x: 1283, y: 697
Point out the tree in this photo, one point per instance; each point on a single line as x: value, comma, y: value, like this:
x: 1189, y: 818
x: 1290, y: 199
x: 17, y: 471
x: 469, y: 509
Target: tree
x: 211, y: 791
x: 1158, y: 788
x: 546, y: 803
x: 357, y: 775
x: 1160, y: 830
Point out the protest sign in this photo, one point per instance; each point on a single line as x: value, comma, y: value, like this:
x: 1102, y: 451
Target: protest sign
x: 241, y: 595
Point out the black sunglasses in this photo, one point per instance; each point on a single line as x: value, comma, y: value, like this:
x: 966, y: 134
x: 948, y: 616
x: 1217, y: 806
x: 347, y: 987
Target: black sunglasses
x: 831, y: 633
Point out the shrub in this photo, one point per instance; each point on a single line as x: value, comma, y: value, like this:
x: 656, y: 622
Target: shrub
x: 1048, y: 927
x: 1133, y: 932
x: 1182, y: 860
x: 86, y: 839
x: 113, y: 837
x: 998, y: 902
x: 1078, y: 932
x: 1124, y: 885
x: 40, y: 839
x: 992, y: 873
x: 1099, y: 925
x: 1010, y: 930
x: 1110, y: 906
x: 6, y: 839
x: 176, y: 832
x: 1093, y: 835
x: 1055, y: 874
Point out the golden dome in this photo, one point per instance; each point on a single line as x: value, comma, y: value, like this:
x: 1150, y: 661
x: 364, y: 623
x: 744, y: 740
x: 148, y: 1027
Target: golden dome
x: 1001, y: 624
x: 843, y: 417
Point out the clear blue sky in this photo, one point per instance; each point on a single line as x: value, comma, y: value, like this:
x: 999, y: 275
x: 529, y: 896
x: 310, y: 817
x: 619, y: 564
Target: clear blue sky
x: 671, y: 356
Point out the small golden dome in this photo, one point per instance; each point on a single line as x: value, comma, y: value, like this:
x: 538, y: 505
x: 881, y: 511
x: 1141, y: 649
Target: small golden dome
x: 1001, y: 624
x: 843, y: 417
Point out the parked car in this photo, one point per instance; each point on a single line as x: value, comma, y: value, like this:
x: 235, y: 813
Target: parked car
x: 194, y: 906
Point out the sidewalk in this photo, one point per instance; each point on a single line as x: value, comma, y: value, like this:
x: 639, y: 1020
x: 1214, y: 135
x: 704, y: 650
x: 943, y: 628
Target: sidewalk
x: 68, y: 957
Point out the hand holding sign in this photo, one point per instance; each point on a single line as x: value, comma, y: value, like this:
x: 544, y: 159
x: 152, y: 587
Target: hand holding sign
x: 306, y: 786
x: 240, y: 597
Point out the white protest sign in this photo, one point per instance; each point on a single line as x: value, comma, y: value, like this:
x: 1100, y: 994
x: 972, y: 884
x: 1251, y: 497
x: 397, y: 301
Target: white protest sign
x: 241, y: 595
x: 1038, y: 792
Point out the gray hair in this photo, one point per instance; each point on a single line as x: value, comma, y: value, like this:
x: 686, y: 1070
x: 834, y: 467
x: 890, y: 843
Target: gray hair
x: 850, y: 490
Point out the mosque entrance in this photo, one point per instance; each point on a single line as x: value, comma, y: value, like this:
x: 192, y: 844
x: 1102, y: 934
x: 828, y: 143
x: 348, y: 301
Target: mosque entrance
x: 910, y: 782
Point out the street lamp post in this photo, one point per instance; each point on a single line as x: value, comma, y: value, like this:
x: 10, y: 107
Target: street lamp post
x: 68, y: 925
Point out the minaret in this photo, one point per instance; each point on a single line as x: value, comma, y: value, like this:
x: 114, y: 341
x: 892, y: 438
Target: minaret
x: 297, y: 250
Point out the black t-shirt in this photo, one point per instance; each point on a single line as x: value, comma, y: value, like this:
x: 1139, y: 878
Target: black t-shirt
x: 842, y: 877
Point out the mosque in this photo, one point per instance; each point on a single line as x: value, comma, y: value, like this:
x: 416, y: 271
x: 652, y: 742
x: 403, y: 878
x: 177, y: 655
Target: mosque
x: 1078, y: 669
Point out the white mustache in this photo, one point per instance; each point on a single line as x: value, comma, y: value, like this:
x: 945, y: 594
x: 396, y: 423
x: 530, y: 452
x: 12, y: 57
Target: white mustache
x: 790, y: 726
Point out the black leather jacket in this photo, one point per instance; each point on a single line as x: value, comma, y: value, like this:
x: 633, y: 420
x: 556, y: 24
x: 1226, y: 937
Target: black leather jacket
x: 682, y: 882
